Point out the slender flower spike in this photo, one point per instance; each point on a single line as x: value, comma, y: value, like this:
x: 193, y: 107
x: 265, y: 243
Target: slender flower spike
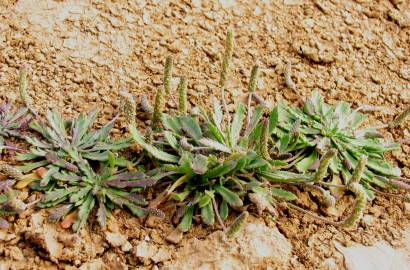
x: 158, y: 107
x: 128, y: 107
x: 324, y: 165
x: 237, y: 224
x: 227, y: 58
x: 183, y: 98
x: 9, y: 170
x: 253, y: 81
x: 288, y: 77
x: 145, y: 105
x: 358, y: 171
x: 359, y: 206
x: 168, y: 75
x: 23, y: 84
x: 265, y: 140
x: 400, y: 119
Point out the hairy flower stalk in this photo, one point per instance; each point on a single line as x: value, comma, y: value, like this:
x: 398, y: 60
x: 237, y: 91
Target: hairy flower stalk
x: 158, y: 107
x: 23, y: 85
x: 145, y: 105
x: 227, y: 58
x: 128, y: 107
x: 237, y: 224
x: 400, y: 119
x: 168, y: 75
x: 183, y: 97
x: 358, y: 170
x: 10, y: 171
x: 324, y: 165
x: 265, y: 140
x: 253, y: 81
x: 359, y: 206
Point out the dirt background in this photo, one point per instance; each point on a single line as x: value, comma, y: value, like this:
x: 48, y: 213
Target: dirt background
x: 80, y: 53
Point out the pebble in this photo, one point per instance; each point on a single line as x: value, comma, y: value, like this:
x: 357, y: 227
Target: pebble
x: 115, y: 239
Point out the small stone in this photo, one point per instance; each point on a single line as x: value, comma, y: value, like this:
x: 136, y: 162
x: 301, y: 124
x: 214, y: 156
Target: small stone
x: 93, y: 265
x: 115, y: 239
x: 227, y: 3
x: 16, y: 254
x: 145, y: 250
x: 126, y: 247
x: 175, y: 236
x: 161, y: 256
x: 368, y: 220
x: 407, y: 208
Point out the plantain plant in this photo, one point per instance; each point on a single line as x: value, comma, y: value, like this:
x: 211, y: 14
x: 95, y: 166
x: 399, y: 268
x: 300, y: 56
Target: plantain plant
x: 10, y: 205
x: 12, y: 123
x: 105, y: 185
x: 66, y: 143
x: 215, y: 156
x: 305, y: 136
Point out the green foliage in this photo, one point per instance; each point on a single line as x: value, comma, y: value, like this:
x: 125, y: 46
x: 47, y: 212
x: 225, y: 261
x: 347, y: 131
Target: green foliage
x: 65, y: 142
x: 12, y: 123
x: 106, y: 186
x: 338, y: 128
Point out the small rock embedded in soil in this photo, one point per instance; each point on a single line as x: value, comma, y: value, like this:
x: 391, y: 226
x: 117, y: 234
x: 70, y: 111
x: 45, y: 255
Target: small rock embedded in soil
x: 115, y: 239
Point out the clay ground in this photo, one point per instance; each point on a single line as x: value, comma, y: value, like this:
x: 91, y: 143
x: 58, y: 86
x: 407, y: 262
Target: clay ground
x: 80, y: 53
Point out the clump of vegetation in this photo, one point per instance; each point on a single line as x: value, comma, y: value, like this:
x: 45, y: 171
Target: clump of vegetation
x: 216, y: 157
x: 106, y: 185
x: 9, y: 203
x: 305, y: 136
x: 216, y: 160
x: 12, y: 123
x: 65, y: 144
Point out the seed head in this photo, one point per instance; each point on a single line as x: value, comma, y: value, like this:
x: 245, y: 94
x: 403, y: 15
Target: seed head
x: 253, y: 81
x: 183, y: 98
x: 168, y: 75
x: 227, y: 58
x: 128, y: 107
x: 158, y: 107
x: 324, y: 165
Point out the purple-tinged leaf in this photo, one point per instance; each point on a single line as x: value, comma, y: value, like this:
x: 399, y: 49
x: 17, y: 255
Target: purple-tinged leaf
x: 137, y: 199
x: 4, y: 225
x: 54, y: 159
x: 140, y: 183
x: 101, y: 212
x: 64, y: 177
x: 5, y: 185
x: 59, y: 212
x: 128, y: 176
x: 155, y: 212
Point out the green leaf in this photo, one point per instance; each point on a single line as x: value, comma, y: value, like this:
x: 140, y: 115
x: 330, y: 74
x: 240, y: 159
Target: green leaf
x: 273, y: 119
x: 205, y: 199
x: 161, y: 155
x: 84, y: 211
x: 236, y: 125
x: 307, y: 162
x: 224, y: 210
x: 180, y: 196
x: 283, y: 194
x: 256, y: 117
x: 186, y: 222
x: 80, y: 194
x: 214, y: 145
x: 229, y: 196
x: 171, y: 123
x: 27, y: 167
x: 199, y: 164
x: 220, y: 170
x: 191, y: 127
x: 207, y: 214
x: 172, y: 141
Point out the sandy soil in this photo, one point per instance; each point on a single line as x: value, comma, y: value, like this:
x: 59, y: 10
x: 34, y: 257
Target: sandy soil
x: 81, y: 53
